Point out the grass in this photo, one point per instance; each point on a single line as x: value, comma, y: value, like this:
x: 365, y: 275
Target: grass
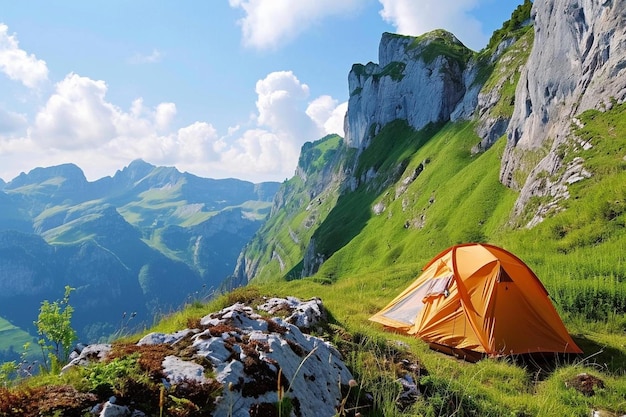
x: 578, y: 254
x: 490, y: 387
x: 290, y: 228
x: 440, y: 43
x: 11, y: 335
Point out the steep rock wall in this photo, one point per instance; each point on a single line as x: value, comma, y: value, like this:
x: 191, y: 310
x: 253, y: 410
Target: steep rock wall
x: 420, y: 80
x: 578, y: 62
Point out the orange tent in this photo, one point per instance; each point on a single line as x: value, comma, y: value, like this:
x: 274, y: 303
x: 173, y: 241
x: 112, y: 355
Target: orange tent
x: 475, y: 299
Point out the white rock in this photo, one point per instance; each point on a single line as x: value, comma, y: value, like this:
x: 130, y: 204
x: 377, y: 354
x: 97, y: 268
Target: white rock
x: 177, y: 370
x: 91, y: 353
x: 114, y: 410
x: 426, y: 92
x: 159, y: 338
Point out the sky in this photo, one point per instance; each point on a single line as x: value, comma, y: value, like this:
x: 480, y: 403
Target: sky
x: 217, y: 88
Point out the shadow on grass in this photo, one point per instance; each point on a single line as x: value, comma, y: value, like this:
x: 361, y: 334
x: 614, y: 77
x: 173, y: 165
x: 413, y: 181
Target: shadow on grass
x: 601, y: 356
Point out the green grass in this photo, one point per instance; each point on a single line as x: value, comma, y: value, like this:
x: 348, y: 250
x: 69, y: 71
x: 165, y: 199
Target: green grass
x: 11, y: 335
x: 578, y: 252
x: 440, y: 43
x: 281, y: 242
x: 511, y: 27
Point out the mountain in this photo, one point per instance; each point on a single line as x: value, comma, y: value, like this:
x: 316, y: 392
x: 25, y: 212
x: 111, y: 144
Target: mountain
x: 516, y: 145
x: 143, y: 241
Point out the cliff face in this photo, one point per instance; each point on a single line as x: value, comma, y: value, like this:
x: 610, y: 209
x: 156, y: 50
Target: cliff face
x: 420, y: 80
x: 578, y: 62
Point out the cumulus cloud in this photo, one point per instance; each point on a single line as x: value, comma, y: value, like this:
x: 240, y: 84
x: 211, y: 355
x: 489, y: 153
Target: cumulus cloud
x: 411, y: 17
x: 279, y: 96
x: 164, y: 115
x: 78, y: 124
x: 285, y: 120
x: 17, y: 64
x: 327, y: 114
x: 269, y: 23
x: 76, y: 115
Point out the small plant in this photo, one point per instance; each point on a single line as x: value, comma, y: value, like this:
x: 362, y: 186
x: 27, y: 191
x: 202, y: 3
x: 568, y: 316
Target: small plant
x: 12, y: 370
x: 8, y: 372
x: 108, y: 378
x: 342, y: 406
x: 55, y: 330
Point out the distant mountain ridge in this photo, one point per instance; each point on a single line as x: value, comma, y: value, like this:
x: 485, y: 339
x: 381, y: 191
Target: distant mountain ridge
x: 143, y: 241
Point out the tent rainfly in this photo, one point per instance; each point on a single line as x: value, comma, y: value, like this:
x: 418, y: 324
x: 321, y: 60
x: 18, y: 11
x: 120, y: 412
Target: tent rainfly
x: 479, y: 299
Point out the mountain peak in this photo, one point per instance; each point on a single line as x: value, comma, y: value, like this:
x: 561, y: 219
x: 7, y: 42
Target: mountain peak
x: 417, y: 79
x: 134, y: 172
x: 69, y: 172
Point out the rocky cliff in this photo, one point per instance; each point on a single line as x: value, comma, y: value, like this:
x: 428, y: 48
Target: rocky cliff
x: 552, y: 60
x: 420, y: 80
x: 578, y: 62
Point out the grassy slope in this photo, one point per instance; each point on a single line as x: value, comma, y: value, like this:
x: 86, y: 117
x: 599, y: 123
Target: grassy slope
x: 578, y: 254
x: 287, y: 233
x: 12, y: 336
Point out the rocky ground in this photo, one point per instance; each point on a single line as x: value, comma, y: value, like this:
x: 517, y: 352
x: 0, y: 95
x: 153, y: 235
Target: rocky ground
x: 240, y: 361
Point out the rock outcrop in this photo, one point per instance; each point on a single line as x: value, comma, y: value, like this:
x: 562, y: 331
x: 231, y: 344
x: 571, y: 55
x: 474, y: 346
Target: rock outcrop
x: 255, y: 360
x: 578, y: 62
x: 420, y: 80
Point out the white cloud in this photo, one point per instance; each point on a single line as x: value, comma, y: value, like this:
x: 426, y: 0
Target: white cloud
x: 199, y: 142
x: 411, y: 17
x: 271, y: 150
x: 164, y: 115
x: 280, y: 98
x: 269, y: 23
x: 335, y: 122
x: 78, y: 124
x: 152, y: 58
x: 76, y: 115
x: 17, y: 64
x: 327, y: 114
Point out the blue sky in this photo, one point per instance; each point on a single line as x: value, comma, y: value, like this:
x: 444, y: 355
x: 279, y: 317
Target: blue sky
x: 219, y: 88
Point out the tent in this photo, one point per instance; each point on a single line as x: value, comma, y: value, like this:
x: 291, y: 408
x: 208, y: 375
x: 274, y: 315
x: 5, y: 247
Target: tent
x: 478, y: 299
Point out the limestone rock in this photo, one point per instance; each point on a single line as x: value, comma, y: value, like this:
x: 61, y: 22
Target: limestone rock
x: 578, y: 62
x: 250, y: 355
x: 91, y: 353
x: 409, y: 83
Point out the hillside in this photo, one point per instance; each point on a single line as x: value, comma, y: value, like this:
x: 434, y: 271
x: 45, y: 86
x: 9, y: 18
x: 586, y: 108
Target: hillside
x: 119, y: 241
